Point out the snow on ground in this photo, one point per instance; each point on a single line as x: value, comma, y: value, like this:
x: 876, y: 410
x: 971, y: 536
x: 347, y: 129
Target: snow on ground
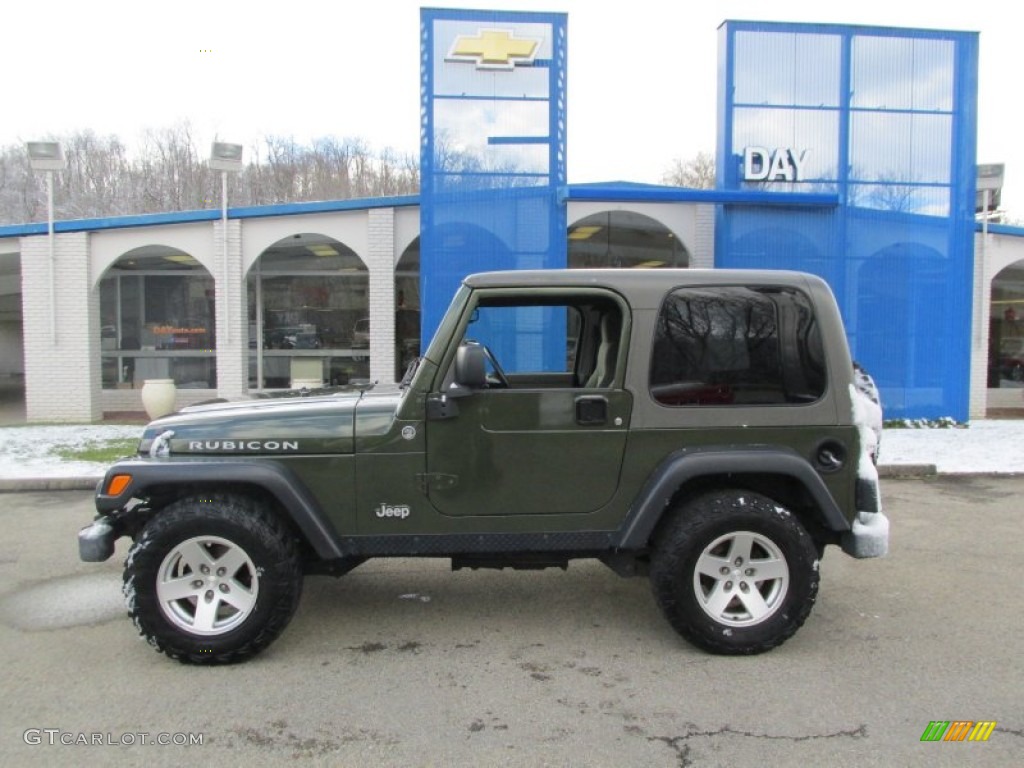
x: 27, y: 452
x: 985, y: 446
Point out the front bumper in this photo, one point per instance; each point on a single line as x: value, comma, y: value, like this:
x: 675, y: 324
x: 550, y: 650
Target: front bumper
x: 96, y: 541
x: 869, y: 536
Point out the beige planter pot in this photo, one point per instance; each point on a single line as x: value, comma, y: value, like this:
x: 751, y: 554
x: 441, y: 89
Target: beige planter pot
x: 158, y: 397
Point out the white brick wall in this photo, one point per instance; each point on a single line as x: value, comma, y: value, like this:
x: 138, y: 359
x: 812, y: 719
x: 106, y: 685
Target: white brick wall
x: 380, y: 261
x: 61, y: 330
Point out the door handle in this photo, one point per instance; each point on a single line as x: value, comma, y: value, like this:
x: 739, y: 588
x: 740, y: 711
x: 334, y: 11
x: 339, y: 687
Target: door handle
x: 591, y: 410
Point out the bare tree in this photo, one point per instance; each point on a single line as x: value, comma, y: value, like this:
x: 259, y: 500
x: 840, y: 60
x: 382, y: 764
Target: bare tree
x: 175, y: 167
x: 695, y: 173
x: 894, y: 197
x: 92, y: 184
x: 170, y: 173
x: 22, y: 196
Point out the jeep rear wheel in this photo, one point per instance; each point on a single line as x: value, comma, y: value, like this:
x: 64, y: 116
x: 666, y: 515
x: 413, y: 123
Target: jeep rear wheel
x: 212, y: 580
x: 735, y: 573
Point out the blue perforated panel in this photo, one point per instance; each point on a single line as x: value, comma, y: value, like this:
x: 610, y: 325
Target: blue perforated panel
x: 493, y: 147
x: 886, y: 118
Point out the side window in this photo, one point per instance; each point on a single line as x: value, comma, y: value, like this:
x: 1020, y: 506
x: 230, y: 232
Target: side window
x: 570, y: 342
x: 734, y: 345
x: 529, y: 340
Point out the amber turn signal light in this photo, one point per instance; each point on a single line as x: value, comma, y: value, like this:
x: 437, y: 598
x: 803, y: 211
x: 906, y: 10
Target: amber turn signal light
x: 117, y: 484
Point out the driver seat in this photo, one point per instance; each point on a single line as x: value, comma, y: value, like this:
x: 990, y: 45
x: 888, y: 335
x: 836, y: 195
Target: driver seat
x: 607, y: 352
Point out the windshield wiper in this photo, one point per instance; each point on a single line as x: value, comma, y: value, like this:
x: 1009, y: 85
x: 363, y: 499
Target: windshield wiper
x: 410, y: 371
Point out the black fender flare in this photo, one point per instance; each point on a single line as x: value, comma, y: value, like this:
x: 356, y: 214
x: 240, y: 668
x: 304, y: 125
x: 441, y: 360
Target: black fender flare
x: 270, y: 476
x: 691, y: 463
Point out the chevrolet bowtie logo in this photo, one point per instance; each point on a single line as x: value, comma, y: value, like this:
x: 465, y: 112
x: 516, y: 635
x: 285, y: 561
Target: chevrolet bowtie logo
x: 494, y: 49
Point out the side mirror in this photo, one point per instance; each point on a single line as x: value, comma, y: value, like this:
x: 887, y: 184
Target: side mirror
x: 470, y: 369
x: 470, y: 375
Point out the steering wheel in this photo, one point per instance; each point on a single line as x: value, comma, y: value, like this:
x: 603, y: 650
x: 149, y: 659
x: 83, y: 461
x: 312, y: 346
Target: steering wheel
x: 501, y: 379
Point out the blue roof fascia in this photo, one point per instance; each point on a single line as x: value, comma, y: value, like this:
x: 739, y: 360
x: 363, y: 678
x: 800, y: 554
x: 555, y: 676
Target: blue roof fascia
x: 324, y: 206
x: 113, y: 222
x: 597, y: 192
x: 1000, y: 229
x: 187, y: 217
x: 651, y: 193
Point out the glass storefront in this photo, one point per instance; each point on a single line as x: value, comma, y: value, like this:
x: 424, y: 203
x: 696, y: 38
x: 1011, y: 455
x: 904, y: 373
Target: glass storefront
x: 157, y: 321
x: 1006, y: 330
x: 624, y: 239
x: 407, y: 309
x: 308, y: 315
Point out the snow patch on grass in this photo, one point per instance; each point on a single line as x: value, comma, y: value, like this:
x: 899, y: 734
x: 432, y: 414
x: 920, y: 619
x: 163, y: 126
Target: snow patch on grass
x: 34, y: 451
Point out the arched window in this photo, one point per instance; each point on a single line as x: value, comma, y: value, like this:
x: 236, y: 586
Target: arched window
x: 157, y: 315
x: 308, y: 314
x: 624, y: 239
x: 407, y: 308
x: 1006, y: 330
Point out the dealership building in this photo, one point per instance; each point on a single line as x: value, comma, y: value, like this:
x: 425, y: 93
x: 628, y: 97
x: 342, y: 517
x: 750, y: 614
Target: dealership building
x: 846, y: 151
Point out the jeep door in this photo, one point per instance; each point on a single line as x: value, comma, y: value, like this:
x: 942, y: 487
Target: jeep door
x: 545, y: 431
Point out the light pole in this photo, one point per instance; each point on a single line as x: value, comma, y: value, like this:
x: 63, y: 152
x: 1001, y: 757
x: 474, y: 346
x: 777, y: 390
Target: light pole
x: 226, y: 158
x: 49, y: 157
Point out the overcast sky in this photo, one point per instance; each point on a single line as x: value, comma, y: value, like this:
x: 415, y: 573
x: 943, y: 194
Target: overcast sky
x: 642, y: 73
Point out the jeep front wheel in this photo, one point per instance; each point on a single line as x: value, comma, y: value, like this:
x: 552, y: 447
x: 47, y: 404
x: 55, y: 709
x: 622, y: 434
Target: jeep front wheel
x: 735, y: 573
x: 212, y: 580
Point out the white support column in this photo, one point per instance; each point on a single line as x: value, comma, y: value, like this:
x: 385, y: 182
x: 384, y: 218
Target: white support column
x: 978, y: 397
x: 703, y: 255
x: 62, y: 360
x: 232, y: 314
x: 380, y: 261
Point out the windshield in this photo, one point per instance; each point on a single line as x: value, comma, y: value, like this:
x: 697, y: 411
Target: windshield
x: 446, y: 329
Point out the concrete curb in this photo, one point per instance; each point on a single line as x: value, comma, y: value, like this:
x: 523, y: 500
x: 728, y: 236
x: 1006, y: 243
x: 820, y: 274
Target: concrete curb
x: 985, y: 473
x: 907, y: 470
x: 29, y: 484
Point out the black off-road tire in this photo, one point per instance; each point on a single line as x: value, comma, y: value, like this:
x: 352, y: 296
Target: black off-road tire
x: 734, y: 572
x: 212, y: 579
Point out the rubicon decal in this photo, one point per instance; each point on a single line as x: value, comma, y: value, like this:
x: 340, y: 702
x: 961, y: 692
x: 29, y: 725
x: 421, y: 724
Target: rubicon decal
x: 958, y: 730
x: 235, y: 446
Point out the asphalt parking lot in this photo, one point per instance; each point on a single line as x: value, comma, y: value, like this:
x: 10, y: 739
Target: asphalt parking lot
x: 405, y: 663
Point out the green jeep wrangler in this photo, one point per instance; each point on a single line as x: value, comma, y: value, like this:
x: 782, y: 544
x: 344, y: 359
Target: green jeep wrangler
x: 700, y: 427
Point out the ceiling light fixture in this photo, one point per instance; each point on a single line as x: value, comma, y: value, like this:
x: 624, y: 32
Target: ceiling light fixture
x: 583, y: 233
x: 322, y: 250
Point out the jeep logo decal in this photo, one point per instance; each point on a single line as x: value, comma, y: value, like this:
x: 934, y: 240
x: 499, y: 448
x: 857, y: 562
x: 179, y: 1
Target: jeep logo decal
x: 400, y: 511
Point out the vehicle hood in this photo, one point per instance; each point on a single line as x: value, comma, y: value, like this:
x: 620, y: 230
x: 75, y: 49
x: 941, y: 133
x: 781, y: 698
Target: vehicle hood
x: 325, y: 424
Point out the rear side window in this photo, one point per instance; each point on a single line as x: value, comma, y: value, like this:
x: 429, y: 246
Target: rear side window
x: 733, y: 345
